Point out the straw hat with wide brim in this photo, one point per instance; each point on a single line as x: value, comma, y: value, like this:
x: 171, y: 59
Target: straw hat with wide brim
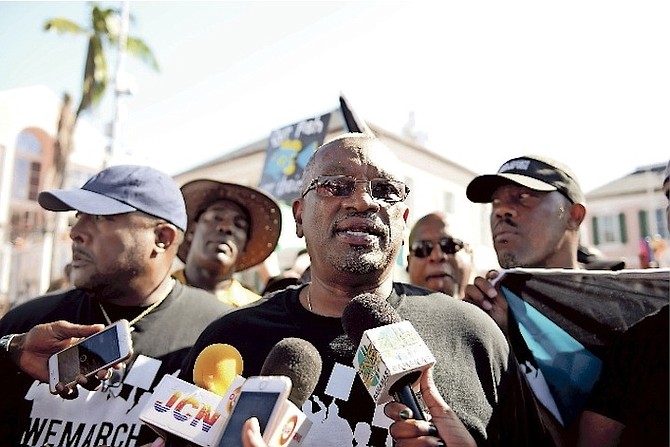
x: 263, y: 210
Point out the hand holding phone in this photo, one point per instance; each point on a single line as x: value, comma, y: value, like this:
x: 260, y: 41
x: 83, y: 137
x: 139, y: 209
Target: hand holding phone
x: 262, y: 397
x: 90, y: 355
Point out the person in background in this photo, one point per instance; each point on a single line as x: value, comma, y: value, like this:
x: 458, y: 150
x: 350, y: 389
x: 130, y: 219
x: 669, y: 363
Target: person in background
x: 64, y: 281
x: 537, y: 208
x: 436, y: 260
x: 230, y: 228
x: 352, y: 214
x: 130, y: 221
x: 629, y: 404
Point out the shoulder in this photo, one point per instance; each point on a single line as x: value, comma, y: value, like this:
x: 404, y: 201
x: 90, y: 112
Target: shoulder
x: 191, y: 296
x: 51, y: 307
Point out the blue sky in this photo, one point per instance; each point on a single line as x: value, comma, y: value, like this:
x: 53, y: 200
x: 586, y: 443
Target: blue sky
x: 585, y: 82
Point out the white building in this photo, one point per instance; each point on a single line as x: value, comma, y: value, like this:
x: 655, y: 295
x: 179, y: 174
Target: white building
x: 28, y: 122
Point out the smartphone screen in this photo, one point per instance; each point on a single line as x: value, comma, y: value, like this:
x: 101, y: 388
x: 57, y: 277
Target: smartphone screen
x: 249, y: 403
x: 89, y: 355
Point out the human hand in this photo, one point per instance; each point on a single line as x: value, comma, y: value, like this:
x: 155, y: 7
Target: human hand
x: 31, y: 350
x: 251, y: 434
x: 481, y: 293
x: 443, y: 429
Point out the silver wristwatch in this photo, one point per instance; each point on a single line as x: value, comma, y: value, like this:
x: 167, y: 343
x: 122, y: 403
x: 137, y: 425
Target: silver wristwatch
x: 5, y: 340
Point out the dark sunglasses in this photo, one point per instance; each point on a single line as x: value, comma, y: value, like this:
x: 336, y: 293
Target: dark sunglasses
x: 448, y: 245
x: 389, y: 191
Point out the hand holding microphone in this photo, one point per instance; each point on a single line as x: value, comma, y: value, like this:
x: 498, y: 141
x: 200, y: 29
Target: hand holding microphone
x: 444, y: 423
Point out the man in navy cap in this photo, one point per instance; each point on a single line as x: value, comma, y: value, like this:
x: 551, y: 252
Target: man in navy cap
x: 130, y: 221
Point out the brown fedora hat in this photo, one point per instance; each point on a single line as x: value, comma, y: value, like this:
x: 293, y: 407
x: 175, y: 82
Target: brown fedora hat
x: 263, y: 210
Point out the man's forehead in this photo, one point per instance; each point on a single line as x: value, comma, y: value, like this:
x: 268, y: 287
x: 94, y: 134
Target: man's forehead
x: 352, y: 153
x: 225, y: 205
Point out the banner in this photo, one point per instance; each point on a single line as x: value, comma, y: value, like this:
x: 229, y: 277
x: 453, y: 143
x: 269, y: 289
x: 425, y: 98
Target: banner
x: 565, y: 320
x: 289, y: 149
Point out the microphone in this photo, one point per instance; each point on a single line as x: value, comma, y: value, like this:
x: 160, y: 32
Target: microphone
x: 298, y: 360
x: 391, y: 355
x: 197, y: 413
x: 216, y: 367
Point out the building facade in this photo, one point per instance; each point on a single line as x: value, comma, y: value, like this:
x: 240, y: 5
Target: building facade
x: 626, y: 218
x: 34, y: 243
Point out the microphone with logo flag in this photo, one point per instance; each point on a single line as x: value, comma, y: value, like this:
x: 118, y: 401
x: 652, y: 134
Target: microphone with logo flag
x: 391, y: 355
x: 197, y: 413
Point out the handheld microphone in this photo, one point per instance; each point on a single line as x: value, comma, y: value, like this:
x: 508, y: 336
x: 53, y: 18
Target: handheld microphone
x: 216, y: 367
x: 391, y: 355
x: 197, y: 413
x: 298, y: 360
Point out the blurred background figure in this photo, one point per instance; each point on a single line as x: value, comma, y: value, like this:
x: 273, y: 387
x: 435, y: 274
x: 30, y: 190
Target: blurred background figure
x: 436, y: 259
x: 298, y: 273
x: 230, y: 228
x: 64, y: 282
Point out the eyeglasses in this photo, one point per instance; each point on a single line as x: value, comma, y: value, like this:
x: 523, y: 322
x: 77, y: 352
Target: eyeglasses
x: 390, y: 191
x: 448, y: 245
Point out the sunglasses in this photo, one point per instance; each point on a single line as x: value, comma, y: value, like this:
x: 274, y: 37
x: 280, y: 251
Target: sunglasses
x: 389, y: 191
x: 448, y: 245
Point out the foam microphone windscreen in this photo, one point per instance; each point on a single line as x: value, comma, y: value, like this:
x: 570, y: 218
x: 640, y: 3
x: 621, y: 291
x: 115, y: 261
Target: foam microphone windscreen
x: 298, y: 360
x: 367, y: 311
x: 216, y: 367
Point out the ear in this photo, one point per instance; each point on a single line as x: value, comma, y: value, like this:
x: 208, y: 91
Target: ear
x: 297, y: 208
x: 165, y: 236
x: 577, y: 215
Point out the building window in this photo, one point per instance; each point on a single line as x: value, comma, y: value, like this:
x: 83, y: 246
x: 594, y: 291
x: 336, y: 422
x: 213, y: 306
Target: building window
x: 661, y: 223
x: 27, y: 168
x: 448, y: 202
x: 609, y: 229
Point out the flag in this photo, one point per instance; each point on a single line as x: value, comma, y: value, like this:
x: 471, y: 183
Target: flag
x: 565, y: 320
x: 352, y: 121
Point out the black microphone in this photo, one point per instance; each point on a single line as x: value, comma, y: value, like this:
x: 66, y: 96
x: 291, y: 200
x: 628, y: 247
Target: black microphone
x: 391, y: 355
x: 298, y: 360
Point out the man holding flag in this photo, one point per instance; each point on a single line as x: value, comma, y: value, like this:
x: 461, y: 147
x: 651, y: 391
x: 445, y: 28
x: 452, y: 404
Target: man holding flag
x: 563, y: 322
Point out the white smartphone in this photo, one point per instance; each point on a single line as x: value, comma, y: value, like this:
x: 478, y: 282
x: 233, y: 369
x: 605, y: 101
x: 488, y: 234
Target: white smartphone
x: 263, y: 397
x: 99, y: 351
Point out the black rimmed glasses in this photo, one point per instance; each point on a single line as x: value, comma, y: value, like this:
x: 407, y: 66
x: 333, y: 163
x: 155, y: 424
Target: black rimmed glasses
x: 448, y: 245
x: 389, y: 191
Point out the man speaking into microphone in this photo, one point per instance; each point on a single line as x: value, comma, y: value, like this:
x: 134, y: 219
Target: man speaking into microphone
x: 352, y: 214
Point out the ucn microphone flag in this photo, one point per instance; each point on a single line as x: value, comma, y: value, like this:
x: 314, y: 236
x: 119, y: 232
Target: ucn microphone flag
x: 565, y: 320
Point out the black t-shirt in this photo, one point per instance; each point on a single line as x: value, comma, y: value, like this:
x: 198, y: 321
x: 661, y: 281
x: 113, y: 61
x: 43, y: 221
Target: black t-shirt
x: 30, y: 415
x: 633, y: 386
x: 475, y: 372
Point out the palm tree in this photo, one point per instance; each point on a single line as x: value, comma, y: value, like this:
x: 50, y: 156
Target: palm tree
x: 103, y: 33
x: 107, y: 30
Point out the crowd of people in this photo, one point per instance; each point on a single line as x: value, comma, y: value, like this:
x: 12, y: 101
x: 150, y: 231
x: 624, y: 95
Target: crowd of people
x: 132, y: 222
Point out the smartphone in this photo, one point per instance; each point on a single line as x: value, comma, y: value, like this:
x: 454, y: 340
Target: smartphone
x: 98, y: 351
x: 263, y: 397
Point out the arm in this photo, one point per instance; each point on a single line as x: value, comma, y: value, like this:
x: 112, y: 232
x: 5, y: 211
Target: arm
x: 444, y: 426
x: 596, y: 430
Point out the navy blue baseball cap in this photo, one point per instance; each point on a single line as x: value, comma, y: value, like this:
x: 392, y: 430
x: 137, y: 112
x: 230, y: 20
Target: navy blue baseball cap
x: 532, y: 171
x: 122, y: 189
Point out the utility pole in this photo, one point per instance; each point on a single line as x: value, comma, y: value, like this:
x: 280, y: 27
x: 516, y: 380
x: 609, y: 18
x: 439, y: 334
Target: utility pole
x: 122, y: 86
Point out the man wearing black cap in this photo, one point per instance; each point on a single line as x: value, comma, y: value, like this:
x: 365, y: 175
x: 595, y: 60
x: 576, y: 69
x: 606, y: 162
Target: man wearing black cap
x: 130, y: 222
x: 230, y: 228
x: 537, y: 207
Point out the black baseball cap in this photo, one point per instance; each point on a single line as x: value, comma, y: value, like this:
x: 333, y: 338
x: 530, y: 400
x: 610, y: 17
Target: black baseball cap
x: 122, y: 189
x: 532, y: 171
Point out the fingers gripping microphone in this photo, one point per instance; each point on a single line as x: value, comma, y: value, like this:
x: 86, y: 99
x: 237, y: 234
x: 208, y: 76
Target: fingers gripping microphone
x: 391, y: 355
x: 298, y: 360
